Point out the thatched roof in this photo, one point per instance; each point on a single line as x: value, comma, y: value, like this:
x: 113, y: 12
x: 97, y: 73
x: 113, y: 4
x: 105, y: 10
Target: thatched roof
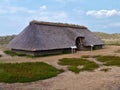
x: 47, y: 36
x: 57, y: 24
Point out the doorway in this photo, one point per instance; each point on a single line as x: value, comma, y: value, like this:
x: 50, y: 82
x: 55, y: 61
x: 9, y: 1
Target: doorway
x: 80, y: 43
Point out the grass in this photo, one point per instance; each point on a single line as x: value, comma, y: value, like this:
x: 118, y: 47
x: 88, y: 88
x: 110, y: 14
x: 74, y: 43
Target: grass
x: 109, y: 60
x: 26, y: 72
x: 114, y: 44
x: 3, y: 47
x: 74, y: 63
x: 109, y: 39
x: 74, y: 69
x: 11, y: 53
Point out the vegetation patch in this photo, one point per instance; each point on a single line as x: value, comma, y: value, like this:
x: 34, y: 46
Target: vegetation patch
x: 26, y: 72
x: 11, y: 53
x: 109, y: 60
x: 6, y: 39
x: 109, y: 39
x: 74, y: 69
x: 74, y: 63
x: 118, y: 51
x: 105, y: 69
x: 86, y: 56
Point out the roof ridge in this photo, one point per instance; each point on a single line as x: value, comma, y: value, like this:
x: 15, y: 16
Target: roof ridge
x: 57, y: 24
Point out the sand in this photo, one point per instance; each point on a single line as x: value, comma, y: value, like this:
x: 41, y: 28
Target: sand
x: 96, y: 80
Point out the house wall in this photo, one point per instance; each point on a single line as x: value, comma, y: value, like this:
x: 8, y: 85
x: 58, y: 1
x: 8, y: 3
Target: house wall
x: 23, y: 51
x: 94, y: 48
x: 52, y: 52
x: 43, y: 53
x: 55, y: 51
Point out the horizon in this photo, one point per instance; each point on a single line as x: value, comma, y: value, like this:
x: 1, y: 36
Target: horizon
x: 97, y: 16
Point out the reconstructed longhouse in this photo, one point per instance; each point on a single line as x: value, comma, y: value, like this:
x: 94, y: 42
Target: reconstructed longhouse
x: 40, y: 38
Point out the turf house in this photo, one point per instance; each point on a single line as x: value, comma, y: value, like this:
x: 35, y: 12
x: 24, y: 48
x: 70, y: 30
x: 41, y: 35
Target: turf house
x: 42, y: 38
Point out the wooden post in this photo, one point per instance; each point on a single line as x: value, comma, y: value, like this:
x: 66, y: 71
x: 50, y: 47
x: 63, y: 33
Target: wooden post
x: 92, y: 47
x: 73, y: 49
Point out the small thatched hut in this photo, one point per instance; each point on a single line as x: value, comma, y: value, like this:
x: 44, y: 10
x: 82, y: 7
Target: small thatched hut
x: 40, y: 38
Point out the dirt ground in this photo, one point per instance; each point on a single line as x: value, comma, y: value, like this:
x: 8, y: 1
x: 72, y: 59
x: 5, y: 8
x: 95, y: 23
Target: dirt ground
x: 97, y: 80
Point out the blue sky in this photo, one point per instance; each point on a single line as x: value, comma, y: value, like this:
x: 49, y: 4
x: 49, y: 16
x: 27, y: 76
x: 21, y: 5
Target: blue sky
x: 97, y: 15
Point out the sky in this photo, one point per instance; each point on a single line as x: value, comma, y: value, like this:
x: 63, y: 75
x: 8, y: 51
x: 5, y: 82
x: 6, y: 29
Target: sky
x: 97, y: 15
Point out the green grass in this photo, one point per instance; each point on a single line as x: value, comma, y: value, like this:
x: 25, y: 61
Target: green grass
x: 26, y: 72
x: 11, y: 53
x: 74, y: 63
x: 109, y: 60
x: 74, y: 69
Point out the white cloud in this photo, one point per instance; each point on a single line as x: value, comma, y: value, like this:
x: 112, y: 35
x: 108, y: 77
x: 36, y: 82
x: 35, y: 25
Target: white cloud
x: 103, y: 13
x: 43, y: 7
x: 2, y: 11
x: 40, y: 14
x: 116, y: 24
x: 12, y: 10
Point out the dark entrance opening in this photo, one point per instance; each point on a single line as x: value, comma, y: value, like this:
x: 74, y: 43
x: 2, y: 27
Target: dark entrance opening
x: 80, y: 43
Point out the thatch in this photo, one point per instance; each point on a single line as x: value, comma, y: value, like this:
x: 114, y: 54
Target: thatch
x: 47, y: 36
x: 57, y: 24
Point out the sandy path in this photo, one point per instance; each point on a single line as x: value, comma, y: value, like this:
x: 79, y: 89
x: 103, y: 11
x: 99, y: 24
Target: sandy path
x: 108, y: 50
x: 97, y: 80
